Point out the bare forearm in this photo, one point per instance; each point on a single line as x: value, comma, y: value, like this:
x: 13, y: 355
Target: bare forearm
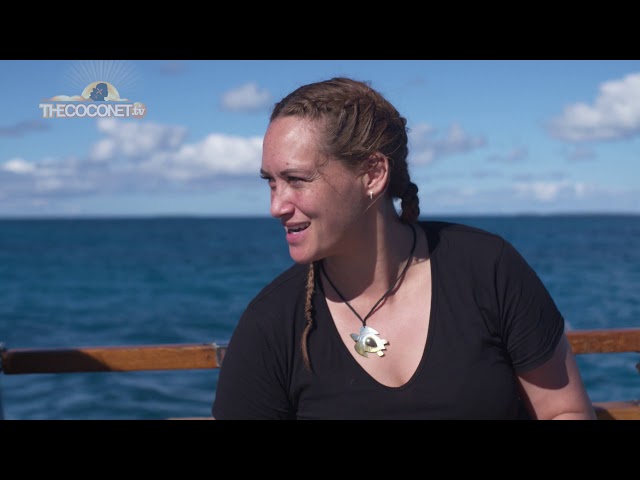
x: 589, y: 414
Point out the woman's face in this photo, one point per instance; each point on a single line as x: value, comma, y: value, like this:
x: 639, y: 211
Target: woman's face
x: 317, y: 198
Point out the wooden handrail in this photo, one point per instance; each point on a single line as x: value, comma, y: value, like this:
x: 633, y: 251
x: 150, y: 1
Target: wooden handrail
x: 612, y: 340
x: 629, y: 410
x: 211, y: 355
x: 112, y: 359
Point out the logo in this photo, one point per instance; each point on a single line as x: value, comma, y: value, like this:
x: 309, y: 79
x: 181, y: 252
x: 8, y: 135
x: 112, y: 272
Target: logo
x: 98, y: 100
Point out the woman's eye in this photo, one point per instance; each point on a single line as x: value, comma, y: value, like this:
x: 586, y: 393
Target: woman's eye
x: 296, y: 181
x: 270, y: 181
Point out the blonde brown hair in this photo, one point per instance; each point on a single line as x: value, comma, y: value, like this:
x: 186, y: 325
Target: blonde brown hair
x: 357, y: 121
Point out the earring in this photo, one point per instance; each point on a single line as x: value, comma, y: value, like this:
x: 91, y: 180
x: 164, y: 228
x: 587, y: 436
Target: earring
x: 370, y: 194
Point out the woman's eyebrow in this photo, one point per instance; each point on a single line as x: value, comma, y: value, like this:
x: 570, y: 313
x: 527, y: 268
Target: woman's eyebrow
x: 285, y: 172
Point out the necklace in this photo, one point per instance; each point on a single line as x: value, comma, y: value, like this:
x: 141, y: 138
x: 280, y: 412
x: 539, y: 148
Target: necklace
x: 368, y: 340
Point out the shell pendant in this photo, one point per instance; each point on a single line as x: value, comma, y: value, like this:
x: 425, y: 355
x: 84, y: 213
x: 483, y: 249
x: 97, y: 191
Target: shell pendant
x: 368, y: 341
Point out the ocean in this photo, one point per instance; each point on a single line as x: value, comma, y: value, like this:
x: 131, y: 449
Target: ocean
x: 144, y: 281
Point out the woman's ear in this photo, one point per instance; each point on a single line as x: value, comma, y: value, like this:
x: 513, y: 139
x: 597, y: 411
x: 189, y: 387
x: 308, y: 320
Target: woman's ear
x: 376, y: 175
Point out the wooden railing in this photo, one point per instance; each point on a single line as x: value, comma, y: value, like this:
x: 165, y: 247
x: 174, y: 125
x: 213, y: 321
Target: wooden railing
x: 211, y: 355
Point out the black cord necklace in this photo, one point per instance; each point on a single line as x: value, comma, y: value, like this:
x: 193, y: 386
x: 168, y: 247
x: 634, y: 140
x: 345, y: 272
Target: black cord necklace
x: 368, y: 340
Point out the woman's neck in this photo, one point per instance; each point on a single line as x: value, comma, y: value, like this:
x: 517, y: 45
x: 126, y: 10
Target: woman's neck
x: 374, y: 264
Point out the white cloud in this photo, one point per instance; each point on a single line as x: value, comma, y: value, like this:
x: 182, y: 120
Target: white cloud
x: 18, y: 166
x: 530, y: 197
x: 246, y: 98
x: 614, y: 115
x: 425, y: 148
x: 135, y: 139
x: 136, y: 157
x: 217, y: 154
x: 46, y: 184
x: 103, y: 150
x: 545, y: 191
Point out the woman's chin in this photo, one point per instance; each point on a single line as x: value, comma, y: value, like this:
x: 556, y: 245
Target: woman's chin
x: 299, y: 256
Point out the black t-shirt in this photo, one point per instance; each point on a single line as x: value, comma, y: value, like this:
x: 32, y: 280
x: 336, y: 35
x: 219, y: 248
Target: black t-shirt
x: 491, y: 317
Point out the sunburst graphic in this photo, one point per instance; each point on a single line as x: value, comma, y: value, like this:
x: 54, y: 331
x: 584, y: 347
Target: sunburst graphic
x: 84, y: 75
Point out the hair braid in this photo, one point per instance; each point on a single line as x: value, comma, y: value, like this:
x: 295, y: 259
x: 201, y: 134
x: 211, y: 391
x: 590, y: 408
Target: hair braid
x: 410, y: 204
x: 308, y: 313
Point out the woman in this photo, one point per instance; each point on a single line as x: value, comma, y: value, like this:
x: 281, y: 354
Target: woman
x: 383, y: 316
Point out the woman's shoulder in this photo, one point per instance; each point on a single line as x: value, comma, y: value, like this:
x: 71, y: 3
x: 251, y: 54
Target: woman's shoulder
x: 287, y: 284
x: 460, y: 234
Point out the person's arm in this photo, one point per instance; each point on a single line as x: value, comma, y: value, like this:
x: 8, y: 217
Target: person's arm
x: 554, y: 390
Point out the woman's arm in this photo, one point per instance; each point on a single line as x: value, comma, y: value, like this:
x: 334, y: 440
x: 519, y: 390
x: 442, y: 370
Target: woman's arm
x: 555, y: 390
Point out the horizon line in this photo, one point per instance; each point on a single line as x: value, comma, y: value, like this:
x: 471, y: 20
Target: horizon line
x: 151, y: 216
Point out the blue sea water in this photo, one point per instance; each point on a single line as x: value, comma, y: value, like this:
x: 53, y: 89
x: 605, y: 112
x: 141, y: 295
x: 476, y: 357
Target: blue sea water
x: 99, y: 282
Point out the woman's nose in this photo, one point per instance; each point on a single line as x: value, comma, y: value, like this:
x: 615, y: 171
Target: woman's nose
x: 280, y: 204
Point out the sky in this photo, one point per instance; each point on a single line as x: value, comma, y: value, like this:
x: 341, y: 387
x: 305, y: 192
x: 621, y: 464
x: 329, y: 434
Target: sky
x: 485, y: 136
